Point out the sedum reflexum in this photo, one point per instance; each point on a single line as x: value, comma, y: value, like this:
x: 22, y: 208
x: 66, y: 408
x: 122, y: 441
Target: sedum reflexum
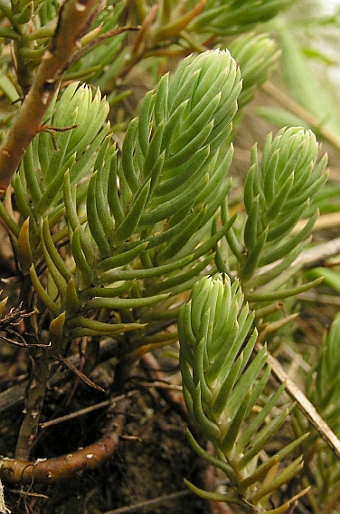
x: 234, y: 16
x: 322, y: 390
x: 134, y: 225
x: 256, y: 54
x: 278, y: 193
x: 225, y: 393
x: 102, y: 235
x: 111, y: 238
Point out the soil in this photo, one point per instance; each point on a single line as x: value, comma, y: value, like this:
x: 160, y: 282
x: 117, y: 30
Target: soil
x: 146, y: 472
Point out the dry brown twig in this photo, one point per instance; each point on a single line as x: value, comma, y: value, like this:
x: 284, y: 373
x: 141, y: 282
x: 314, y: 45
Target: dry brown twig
x: 289, y: 104
x: 303, y: 403
x: 138, y: 507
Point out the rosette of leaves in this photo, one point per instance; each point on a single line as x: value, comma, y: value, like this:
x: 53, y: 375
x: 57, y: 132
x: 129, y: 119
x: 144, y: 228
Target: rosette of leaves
x: 225, y: 390
x: 234, y: 16
x: 277, y: 194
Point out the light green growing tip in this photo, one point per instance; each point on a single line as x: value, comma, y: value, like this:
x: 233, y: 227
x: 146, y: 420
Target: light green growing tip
x: 209, y: 83
x: 212, y: 328
x: 223, y: 383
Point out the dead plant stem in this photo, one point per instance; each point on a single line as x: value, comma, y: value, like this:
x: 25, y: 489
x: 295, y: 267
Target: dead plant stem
x: 304, y: 404
x: 299, y: 111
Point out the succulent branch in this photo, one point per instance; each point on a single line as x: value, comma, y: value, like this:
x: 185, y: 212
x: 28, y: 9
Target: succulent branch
x: 123, y: 231
x: 256, y: 54
x: 225, y: 393
x: 277, y: 194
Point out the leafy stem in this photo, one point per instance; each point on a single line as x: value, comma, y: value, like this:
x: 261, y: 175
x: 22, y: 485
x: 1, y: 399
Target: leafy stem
x: 74, y: 17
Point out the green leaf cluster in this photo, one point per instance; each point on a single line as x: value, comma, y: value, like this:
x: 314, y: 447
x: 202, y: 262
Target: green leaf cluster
x: 123, y: 230
x: 224, y: 390
x: 234, y: 16
x: 139, y: 201
x: 256, y: 54
x: 277, y: 194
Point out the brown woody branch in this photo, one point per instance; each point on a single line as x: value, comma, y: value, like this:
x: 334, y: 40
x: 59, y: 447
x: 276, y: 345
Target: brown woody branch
x: 74, y: 18
x: 16, y: 471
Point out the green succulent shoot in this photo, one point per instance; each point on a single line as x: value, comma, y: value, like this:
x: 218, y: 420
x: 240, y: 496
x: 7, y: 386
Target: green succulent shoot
x: 141, y: 201
x: 122, y: 230
x: 235, y: 16
x: 151, y: 206
x: 225, y: 390
x: 256, y: 54
x: 324, y: 393
x: 278, y: 193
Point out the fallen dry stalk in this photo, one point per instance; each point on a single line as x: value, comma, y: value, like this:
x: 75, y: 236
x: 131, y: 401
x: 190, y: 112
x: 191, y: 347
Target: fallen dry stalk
x: 81, y: 412
x: 304, y: 404
x: 149, y: 503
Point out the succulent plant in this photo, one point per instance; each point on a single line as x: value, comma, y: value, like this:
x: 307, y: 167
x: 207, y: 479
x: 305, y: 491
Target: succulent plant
x: 122, y: 229
x: 224, y: 390
x: 232, y: 17
x: 277, y: 194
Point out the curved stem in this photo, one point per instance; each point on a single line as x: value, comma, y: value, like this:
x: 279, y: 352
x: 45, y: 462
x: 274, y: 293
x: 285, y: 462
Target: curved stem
x: 58, y: 468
